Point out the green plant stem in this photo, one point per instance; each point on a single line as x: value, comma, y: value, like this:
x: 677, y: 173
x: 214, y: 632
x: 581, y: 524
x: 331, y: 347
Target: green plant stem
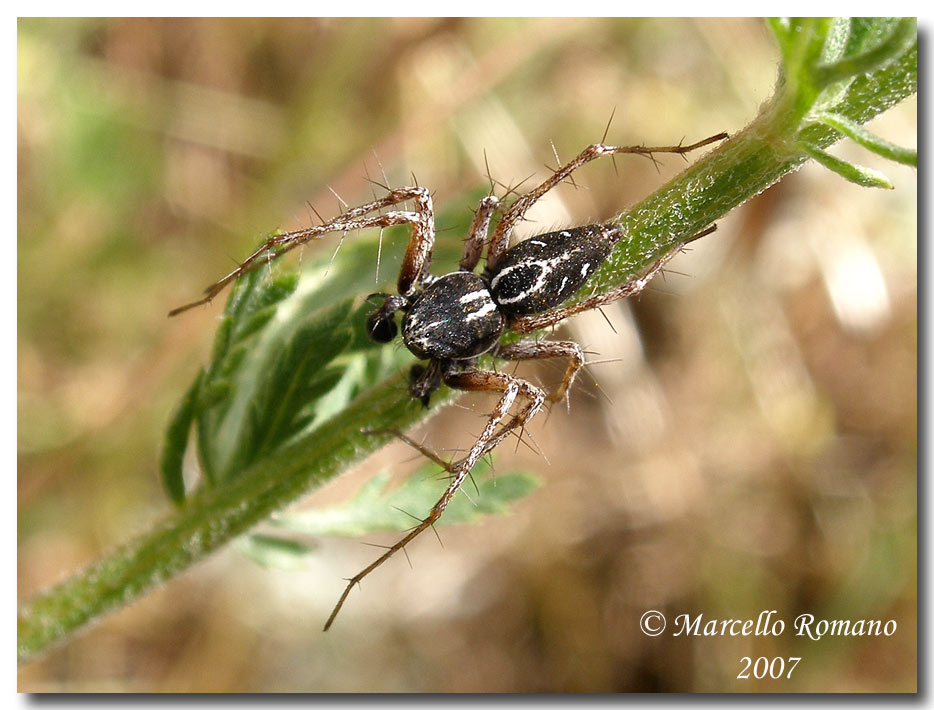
x: 741, y: 168
x: 215, y: 516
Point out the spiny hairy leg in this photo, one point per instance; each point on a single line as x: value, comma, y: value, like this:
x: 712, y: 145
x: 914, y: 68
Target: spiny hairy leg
x: 414, y: 265
x: 473, y: 380
x: 425, y: 451
x: 547, y: 349
x: 477, y: 234
x: 499, y: 242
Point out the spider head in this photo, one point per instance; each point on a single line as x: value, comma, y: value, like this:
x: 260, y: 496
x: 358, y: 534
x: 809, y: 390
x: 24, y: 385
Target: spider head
x: 381, y: 324
x: 423, y: 381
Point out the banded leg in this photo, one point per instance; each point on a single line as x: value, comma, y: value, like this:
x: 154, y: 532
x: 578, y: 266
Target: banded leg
x: 544, y: 349
x: 479, y: 229
x: 499, y: 242
x: 473, y: 380
x: 519, y: 351
x: 414, y: 265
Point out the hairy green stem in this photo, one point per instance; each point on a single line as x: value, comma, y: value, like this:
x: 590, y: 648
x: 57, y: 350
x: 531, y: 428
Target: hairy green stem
x: 743, y: 167
x: 214, y: 517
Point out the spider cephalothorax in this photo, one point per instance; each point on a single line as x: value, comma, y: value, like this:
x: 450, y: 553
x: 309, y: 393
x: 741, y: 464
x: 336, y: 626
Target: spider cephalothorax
x: 449, y: 321
x: 456, y: 318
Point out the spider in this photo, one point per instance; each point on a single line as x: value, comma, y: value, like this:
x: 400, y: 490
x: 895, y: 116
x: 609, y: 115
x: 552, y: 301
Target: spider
x: 451, y: 320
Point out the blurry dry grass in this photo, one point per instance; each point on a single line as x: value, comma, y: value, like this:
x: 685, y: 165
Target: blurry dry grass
x: 755, y: 448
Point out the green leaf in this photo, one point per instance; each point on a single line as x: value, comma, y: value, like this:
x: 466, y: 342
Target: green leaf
x: 377, y: 508
x: 866, y: 177
x: 271, y: 356
x: 250, y: 306
x: 214, y: 394
x: 866, y: 61
x: 868, y: 140
x: 292, y: 378
x: 824, y: 56
x: 275, y: 552
x: 176, y: 443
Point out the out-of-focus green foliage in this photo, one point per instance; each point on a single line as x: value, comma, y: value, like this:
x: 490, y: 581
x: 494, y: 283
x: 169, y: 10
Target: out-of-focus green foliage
x: 376, y: 508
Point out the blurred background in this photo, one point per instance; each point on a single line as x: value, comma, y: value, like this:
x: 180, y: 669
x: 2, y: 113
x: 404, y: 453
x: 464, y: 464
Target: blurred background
x: 750, y: 446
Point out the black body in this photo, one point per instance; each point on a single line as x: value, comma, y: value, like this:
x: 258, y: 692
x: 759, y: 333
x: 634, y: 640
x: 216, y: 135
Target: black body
x: 454, y: 318
x: 544, y: 271
x: 461, y: 315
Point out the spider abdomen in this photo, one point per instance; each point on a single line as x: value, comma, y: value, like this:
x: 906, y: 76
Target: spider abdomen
x: 454, y: 318
x: 542, y: 272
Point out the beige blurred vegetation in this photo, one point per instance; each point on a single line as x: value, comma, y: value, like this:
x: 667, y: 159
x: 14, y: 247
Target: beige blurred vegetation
x: 749, y: 445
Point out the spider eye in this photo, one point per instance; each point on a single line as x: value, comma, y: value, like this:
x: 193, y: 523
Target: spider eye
x: 381, y: 326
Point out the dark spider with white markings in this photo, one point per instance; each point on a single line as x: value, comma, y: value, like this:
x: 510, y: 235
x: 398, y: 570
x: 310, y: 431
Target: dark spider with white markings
x: 452, y: 320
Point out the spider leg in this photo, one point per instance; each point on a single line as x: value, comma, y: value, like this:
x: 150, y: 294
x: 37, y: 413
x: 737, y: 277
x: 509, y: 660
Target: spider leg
x: 414, y: 264
x: 479, y: 229
x: 499, y: 242
x: 425, y: 451
x: 542, y: 349
x: 473, y: 380
x: 511, y: 387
